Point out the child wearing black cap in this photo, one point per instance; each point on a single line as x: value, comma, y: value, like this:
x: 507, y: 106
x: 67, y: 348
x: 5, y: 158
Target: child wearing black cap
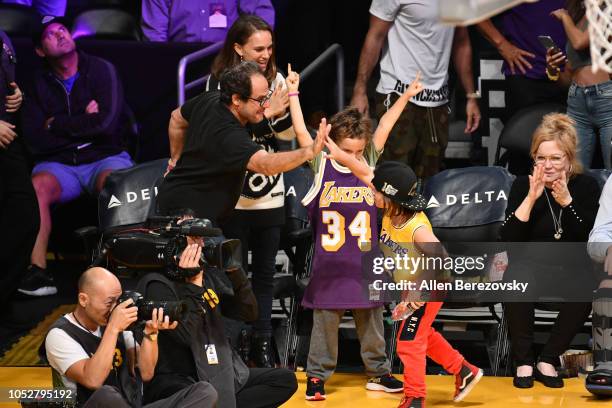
x: 406, y: 225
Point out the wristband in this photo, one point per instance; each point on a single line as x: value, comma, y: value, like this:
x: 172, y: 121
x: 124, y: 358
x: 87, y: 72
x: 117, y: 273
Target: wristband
x: 296, y: 93
x: 473, y: 95
x: 553, y: 77
x: 151, y: 336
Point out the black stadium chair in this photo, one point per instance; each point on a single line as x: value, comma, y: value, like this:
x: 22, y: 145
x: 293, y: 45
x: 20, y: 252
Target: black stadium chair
x: 517, y: 134
x: 468, y: 205
x: 106, y: 24
x: 18, y: 21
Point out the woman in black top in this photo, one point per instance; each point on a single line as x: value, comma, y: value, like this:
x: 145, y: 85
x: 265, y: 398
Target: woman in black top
x: 260, y: 211
x: 555, y: 204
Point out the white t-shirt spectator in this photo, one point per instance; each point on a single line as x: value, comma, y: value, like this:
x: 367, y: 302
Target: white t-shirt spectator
x: 417, y: 41
x: 63, y: 351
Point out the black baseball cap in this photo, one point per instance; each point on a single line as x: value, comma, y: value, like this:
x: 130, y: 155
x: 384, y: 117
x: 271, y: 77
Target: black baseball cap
x: 398, y: 182
x: 44, y: 23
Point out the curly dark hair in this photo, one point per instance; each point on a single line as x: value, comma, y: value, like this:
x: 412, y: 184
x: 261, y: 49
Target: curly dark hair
x: 350, y: 123
x: 237, y: 80
x: 239, y: 33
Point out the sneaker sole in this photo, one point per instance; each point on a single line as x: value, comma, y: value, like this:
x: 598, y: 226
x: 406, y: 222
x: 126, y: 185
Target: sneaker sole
x: 316, y: 397
x: 379, y: 387
x: 469, y: 387
x: 44, y: 291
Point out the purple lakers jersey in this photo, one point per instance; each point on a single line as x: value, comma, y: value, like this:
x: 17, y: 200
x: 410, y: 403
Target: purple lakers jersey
x: 343, y: 219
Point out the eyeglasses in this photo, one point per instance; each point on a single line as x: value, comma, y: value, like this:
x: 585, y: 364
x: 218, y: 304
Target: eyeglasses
x: 555, y: 160
x: 263, y: 100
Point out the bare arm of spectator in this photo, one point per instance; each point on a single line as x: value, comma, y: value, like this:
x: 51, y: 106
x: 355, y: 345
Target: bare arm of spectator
x: 387, y: 121
x: 274, y: 163
x: 578, y: 39
x: 514, y: 56
x: 109, y: 99
x: 368, y: 59
x: 176, y: 133
x: 261, y: 8
x: 155, y: 19
x: 462, y: 57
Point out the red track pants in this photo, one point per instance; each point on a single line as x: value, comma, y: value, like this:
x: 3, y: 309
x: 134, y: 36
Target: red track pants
x: 417, y: 340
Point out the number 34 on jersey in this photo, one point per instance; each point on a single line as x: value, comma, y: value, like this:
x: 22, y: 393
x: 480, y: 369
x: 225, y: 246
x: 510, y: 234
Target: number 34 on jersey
x: 337, y: 231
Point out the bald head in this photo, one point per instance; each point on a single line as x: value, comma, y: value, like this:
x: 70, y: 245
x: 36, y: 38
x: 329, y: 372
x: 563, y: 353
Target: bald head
x: 98, y: 293
x: 96, y: 280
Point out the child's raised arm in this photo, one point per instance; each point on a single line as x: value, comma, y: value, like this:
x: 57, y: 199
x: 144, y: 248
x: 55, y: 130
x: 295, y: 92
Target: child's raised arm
x: 387, y: 121
x: 293, y: 82
x: 358, y: 167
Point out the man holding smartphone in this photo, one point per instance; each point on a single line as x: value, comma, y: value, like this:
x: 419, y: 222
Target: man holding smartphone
x: 515, y: 36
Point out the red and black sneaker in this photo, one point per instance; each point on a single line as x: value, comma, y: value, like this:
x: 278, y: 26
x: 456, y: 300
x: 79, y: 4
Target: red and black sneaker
x: 412, y: 402
x: 467, y: 378
x: 315, y: 389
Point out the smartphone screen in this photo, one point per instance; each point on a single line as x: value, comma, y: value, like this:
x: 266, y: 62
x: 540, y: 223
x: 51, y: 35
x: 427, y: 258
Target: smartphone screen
x: 547, y: 42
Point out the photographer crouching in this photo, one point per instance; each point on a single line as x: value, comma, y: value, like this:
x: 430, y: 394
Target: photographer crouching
x: 198, y: 349
x: 91, y: 350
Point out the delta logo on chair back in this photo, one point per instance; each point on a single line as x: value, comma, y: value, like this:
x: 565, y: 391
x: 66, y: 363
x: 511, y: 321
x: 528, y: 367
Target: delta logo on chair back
x: 132, y: 196
x: 465, y: 199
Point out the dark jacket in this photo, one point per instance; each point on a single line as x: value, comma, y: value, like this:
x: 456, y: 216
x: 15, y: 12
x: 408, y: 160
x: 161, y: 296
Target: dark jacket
x: 182, y: 352
x: 67, y: 140
x: 7, y: 75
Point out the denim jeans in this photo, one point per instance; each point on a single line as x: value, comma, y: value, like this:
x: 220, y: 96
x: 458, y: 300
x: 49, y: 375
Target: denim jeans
x: 591, y: 108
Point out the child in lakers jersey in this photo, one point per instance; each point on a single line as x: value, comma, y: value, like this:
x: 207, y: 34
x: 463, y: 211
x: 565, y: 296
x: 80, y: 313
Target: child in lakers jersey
x: 343, y: 218
x: 405, y: 224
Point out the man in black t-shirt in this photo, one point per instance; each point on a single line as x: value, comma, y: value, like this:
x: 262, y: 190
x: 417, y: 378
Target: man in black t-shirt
x: 209, y: 134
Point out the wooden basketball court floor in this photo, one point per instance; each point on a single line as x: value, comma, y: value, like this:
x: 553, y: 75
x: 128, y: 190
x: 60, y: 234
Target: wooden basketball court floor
x: 347, y: 390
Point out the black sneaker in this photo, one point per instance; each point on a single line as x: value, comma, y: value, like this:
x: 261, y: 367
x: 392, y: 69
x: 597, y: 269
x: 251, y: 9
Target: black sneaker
x: 315, y: 389
x: 412, y: 402
x: 37, y: 282
x: 386, y: 383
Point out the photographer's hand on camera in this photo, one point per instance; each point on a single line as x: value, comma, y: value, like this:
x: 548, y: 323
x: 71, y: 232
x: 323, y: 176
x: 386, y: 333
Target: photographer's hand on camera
x: 147, y: 357
x: 122, y: 316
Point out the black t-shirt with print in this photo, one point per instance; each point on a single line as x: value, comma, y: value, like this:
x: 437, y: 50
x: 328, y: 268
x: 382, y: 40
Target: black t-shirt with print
x: 209, y: 176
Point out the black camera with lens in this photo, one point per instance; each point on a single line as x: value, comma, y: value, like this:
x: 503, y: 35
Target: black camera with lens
x: 175, y: 310
x: 159, y: 245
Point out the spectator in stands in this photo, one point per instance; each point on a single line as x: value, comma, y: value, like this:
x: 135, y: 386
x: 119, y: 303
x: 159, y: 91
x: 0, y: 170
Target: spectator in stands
x: 260, y: 211
x: 199, y: 349
x: 56, y: 8
x: 204, y: 21
x: 600, y: 241
x: 589, y: 101
x: 516, y: 40
x: 415, y: 41
x: 92, y: 352
x: 212, y: 149
x: 18, y: 206
x: 556, y: 204
x: 72, y: 126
